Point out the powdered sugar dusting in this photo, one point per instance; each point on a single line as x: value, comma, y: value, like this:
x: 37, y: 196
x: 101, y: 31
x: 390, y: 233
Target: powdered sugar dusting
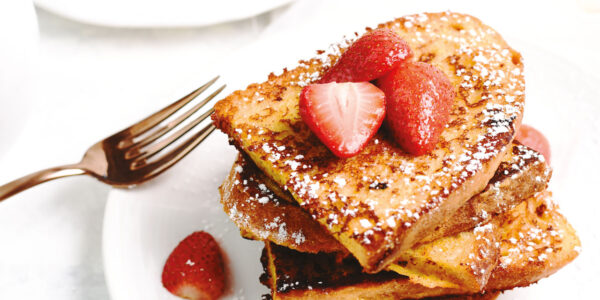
x: 257, y: 195
x: 534, y: 233
x: 487, y: 75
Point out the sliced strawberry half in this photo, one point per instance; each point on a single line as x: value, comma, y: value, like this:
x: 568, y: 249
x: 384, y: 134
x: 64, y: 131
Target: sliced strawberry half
x: 343, y: 115
x: 419, y: 98
x: 195, y: 268
x: 374, y: 54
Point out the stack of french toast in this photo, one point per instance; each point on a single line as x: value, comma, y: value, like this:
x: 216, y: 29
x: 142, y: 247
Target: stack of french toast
x: 469, y: 219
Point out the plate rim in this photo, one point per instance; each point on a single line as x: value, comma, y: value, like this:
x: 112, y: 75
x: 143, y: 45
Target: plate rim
x: 104, y: 21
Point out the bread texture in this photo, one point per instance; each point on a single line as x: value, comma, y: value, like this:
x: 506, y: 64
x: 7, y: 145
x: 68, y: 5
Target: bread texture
x: 535, y: 241
x: 384, y: 201
x: 264, y: 211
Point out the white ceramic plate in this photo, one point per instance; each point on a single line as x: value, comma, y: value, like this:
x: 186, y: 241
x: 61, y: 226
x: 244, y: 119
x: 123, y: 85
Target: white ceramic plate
x: 157, y: 13
x: 143, y: 225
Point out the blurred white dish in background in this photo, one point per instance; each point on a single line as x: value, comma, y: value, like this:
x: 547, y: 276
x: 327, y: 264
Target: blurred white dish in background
x: 157, y: 13
x: 591, y: 6
x: 18, y: 56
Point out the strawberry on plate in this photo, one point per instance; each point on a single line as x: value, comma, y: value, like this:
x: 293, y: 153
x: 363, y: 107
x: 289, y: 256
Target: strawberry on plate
x: 371, y: 56
x: 419, y: 98
x: 343, y: 115
x: 195, y: 268
x: 534, y: 139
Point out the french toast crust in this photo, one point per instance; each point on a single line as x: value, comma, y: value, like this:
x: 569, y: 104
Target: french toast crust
x: 467, y: 267
x: 522, y: 173
x: 263, y: 121
x: 348, y: 283
x: 537, y: 223
x: 481, y: 296
x: 536, y: 242
x: 250, y: 204
x: 276, y: 220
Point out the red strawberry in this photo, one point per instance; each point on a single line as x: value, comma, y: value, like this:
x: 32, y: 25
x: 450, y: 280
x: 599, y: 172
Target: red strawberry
x: 419, y: 98
x: 534, y: 139
x: 195, y: 268
x: 371, y: 56
x: 343, y: 115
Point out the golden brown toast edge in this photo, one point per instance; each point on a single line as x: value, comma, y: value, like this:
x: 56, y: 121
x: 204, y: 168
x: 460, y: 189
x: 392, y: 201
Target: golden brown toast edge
x: 262, y: 215
x: 497, y: 106
x: 287, y: 224
x: 482, y: 296
x: 465, y: 260
x: 536, y: 223
x: 521, y: 174
x: 536, y: 242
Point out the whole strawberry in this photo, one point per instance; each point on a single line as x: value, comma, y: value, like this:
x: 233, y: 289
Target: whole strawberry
x: 419, y: 98
x: 534, y: 139
x: 371, y: 56
x: 195, y: 268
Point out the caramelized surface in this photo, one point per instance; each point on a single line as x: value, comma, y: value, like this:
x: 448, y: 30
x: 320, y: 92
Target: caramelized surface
x: 263, y: 215
x: 463, y: 261
x: 536, y: 241
x: 263, y: 211
x: 526, y: 233
x: 522, y: 173
x: 383, y: 201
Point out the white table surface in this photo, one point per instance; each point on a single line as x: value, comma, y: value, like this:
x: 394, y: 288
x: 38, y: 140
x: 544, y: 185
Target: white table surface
x: 93, y: 81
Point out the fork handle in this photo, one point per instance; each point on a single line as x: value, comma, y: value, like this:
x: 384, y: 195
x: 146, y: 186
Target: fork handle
x: 33, y: 179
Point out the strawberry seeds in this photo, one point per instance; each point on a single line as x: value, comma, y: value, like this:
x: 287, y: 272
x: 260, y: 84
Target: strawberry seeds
x: 344, y: 110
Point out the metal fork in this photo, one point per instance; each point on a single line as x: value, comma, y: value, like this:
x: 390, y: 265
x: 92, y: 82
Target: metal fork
x: 133, y: 155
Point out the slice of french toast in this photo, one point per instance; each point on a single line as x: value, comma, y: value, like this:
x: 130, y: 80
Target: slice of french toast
x: 464, y: 261
x: 535, y: 241
x: 264, y: 215
x: 264, y: 211
x: 522, y: 173
x: 481, y: 296
x: 383, y: 200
